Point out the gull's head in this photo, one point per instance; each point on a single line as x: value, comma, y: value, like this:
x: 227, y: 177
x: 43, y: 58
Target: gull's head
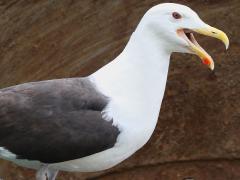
x: 175, y: 24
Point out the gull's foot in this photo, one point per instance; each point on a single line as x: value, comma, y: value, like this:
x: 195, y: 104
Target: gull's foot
x: 45, y: 173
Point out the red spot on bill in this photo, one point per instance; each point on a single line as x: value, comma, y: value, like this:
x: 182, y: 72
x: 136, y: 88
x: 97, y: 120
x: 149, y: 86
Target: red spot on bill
x: 206, y: 61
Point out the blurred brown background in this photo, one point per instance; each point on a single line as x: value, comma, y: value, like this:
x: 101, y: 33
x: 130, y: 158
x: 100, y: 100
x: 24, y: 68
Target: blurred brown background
x: 198, y: 133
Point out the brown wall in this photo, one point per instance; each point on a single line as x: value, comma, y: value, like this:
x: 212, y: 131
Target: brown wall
x: 199, y: 126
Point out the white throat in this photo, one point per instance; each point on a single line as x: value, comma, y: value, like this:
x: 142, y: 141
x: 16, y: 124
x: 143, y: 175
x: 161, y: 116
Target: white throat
x: 135, y: 81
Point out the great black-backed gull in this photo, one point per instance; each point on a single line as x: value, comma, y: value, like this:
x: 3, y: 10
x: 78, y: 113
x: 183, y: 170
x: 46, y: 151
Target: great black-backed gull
x: 93, y: 123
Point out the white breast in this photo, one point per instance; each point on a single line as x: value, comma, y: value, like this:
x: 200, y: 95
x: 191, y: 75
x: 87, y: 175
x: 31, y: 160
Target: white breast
x: 135, y: 88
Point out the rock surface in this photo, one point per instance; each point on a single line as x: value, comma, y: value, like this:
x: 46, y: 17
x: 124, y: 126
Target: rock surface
x: 198, y: 133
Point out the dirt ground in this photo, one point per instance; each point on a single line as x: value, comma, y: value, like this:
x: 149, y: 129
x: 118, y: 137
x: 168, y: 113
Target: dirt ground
x: 198, y: 132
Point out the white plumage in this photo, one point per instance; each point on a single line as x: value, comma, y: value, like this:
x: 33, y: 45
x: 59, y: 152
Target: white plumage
x: 135, y: 83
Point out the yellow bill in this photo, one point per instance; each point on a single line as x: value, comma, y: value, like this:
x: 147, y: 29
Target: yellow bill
x: 196, y: 48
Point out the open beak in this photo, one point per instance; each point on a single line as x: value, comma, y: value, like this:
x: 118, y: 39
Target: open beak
x: 187, y: 35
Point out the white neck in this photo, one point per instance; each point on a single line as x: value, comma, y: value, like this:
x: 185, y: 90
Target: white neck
x: 136, y: 78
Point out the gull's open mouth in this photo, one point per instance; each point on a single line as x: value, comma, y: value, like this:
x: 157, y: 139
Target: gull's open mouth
x: 187, y: 35
x: 194, y: 46
x: 191, y: 39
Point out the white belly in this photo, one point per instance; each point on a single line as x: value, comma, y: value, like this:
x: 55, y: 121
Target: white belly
x: 96, y: 162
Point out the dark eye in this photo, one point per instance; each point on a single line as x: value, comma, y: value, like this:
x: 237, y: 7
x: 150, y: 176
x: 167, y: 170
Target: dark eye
x: 176, y: 15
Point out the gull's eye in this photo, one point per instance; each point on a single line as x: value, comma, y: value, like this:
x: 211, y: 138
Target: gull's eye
x: 176, y: 15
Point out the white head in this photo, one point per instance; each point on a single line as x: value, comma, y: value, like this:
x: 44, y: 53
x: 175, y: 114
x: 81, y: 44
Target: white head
x: 174, y: 24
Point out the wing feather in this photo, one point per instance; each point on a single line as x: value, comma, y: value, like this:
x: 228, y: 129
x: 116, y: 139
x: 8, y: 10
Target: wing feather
x: 54, y: 121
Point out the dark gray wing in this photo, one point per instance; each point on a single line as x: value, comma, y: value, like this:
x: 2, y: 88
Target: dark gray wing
x: 54, y: 121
